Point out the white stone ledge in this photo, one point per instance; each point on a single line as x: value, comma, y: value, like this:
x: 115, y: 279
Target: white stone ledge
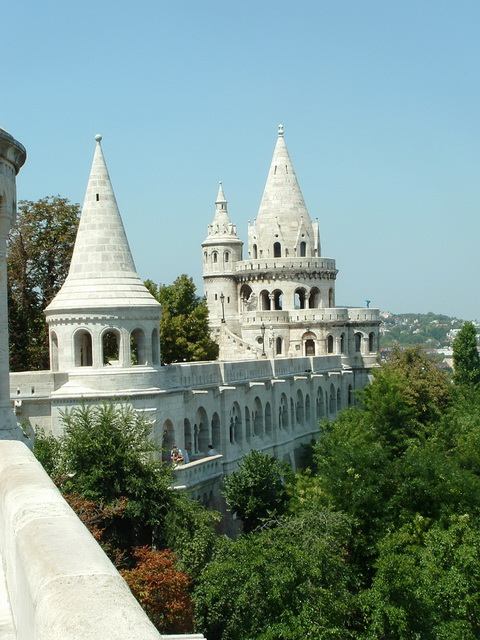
x: 60, y: 584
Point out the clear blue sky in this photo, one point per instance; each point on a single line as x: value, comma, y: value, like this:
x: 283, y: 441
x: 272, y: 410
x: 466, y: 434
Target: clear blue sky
x: 380, y: 100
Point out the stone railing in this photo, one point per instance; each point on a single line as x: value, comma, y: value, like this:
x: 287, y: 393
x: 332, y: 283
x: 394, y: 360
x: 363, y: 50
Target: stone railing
x: 187, y: 476
x: 57, y: 583
x: 301, y: 264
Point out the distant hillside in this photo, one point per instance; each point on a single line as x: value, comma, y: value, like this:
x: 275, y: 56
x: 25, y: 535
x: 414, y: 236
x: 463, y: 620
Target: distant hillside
x: 430, y: 330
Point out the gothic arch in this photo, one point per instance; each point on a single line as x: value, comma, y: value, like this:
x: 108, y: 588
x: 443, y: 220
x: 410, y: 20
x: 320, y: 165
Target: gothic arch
x: 333, y: 401
x: 358, y: 342
x: 82, y: 344
x: 300, y: 409
x: 110, y: 340
x: 330, y: 343
x: 235, y: 424
x: 300, y: 298
x: 258, y: 418
x: 264, y: 300
x: 268, y: 420
x: 201, y: 431
x: 283, y: 412
x: 314, y: 298
x: 277, y: 299
x: 168, y: 439
x: 138, y: 347
x: 216, y: 439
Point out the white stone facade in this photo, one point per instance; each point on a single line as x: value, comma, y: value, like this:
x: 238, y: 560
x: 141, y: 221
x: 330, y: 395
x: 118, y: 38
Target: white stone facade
x: 280, y: 301
x: 288, y: 359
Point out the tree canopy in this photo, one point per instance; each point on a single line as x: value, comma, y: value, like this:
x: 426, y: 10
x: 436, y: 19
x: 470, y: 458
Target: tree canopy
x: 39, y: 251
x: 466, y: 361
x: 257, y: 490
x: 184, y: 329
x: 386, y: 542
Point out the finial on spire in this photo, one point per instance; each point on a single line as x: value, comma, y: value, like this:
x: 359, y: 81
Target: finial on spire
x: 98, y: 137
x: 280, y: 129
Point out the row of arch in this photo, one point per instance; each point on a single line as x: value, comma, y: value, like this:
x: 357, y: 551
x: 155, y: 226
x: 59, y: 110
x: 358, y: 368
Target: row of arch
x: 257, y: 422
x: 302, y: 298
x: 128, y: 349
x: 279, y: 252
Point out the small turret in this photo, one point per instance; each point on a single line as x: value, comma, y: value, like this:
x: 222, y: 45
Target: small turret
x: 222, y: 250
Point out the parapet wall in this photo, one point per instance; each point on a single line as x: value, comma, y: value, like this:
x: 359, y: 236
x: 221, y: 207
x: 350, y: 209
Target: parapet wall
x: 59, y: 583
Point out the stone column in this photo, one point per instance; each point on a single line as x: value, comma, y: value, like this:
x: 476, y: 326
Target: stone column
x: 12, y: 157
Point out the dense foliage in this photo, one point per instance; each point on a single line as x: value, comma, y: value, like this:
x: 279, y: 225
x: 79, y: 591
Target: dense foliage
x: 184, y: 329
x: 107, y: 466
x: 466, y: 361
x: 257, y: 490
x: 39, y: 250
x: 397, y: 492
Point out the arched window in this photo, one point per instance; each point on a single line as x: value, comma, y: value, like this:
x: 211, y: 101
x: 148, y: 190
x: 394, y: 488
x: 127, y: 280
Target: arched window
x: 330, y: 297
x: 258, y: 418
x: 371, y: 342
x: 255, y: 252
x: 268, y: 420
x: 83, y: 348
x: 330, y: 344
x: 277, y: 300
x: 358, y: 342
x: 110, y: 347
x: 215, y: 257
x: 138, y: 352
x: 342, y: 343
x: 226, y: 256
x: 314, y: 298
x: 278, y: 347
x: 264, y: 301
x: 216, y: 431
x: 277, y: 250
x: 299, y: 298
x: 303, y: 249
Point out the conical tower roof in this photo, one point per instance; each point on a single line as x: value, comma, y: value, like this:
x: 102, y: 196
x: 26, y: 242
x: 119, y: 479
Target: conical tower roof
x: 102, y: 272
x: 222, y: 227
x: 282, y: 212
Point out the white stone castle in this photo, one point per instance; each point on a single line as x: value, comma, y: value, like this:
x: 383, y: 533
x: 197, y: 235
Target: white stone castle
x: 288, y: 356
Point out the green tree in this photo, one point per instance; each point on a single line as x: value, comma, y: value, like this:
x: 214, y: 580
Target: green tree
x: 288, y: 581
x: 466, y: 362
x: 107, y: 455
x: 39, y: 250
x: 184, y: 329
x: 427, y: 583
x: 257, y: 490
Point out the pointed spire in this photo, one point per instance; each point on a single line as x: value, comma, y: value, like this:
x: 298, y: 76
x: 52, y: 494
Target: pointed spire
x: 221, y: 225
x: 283, y: 207
x: 102, y: 271
x: 282, y: 196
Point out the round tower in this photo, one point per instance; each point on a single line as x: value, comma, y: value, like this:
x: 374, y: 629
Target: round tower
x: 103, y: 319
x: 222, y: 250
x: 12, y: 158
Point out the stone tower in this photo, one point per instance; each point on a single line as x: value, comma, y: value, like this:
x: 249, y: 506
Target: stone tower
x: 12, y: 158
x: 222, y: 250
x: 285, y: 288
x: 103, y: 319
